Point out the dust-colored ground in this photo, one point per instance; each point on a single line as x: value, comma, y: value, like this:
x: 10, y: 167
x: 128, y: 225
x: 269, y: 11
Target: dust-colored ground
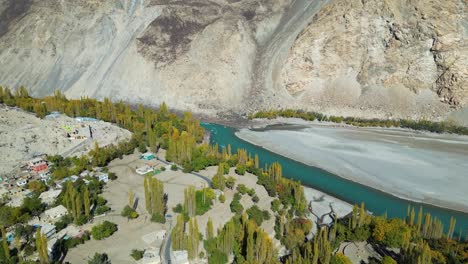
x: 358, y: 252
x: 130, y: 234
x: 22, y: 135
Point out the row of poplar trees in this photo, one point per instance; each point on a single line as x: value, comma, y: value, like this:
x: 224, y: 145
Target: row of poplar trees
x: 77, y: 202
x: 185, y: 236
x: 155, y: 199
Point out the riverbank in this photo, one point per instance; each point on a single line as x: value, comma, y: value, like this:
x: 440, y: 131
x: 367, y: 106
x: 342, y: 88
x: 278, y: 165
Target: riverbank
x: 418, y: 166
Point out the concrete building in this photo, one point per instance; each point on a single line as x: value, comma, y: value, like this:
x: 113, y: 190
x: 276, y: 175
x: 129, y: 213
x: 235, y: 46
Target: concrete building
x: 38, y: 165
x: 103, y: 177
x: 144, y: 170
x: 56, y: 213
x: 21, y: 183
x: 50, y: 196
x: 181, y: 257
x: 48, y: 230
x: 148, y: 156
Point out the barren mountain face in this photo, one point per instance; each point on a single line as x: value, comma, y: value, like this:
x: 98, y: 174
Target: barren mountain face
x: 388, y: 57
x: 385, y: 58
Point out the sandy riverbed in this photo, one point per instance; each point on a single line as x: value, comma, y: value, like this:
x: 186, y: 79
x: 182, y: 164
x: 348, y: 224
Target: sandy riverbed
x: 423, y: 167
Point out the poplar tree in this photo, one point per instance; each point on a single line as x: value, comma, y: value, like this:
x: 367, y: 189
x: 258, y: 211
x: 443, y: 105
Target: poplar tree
x: 209, y: 229
x: 362, y: 215
x: 131, y: 198
x: 178, y: 234
x: 86, y: 201
x: 275, y: 171
x: 41, y: 247
x: 256, y: 162
x: 147, y: 196
x: 193, y: 240
x: 6, y: 249
x: 451, y: 229
x: 190, y: 205
x: 420, y: 215
x: 78, y: 207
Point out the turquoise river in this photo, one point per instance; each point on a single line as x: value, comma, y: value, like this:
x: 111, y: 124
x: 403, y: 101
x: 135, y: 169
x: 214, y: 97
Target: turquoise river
x: 375, y: 201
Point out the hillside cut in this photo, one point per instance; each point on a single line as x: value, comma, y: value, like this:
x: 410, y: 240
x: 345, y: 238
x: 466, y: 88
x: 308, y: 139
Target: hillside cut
x: 369, y: 58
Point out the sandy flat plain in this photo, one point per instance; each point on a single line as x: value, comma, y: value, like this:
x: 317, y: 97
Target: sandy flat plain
x: 418, y: 166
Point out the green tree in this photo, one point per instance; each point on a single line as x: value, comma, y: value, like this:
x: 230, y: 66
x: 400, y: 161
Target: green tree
x: 209, y: 229
x: 86, y: 201
x: 100, y: 259
x: 104, y: 230
x: 339, y: 258
x: 388, y: 260
x: 190, y: 203
x: 5, y: 248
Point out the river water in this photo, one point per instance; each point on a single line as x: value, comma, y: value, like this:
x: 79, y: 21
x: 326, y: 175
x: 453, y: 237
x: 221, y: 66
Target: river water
x: 376, y: 201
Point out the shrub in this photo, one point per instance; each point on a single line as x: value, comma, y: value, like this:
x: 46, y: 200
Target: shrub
x: 230, y: 182
x: 101, y: 210
x: 178, y: 208
x: 217, y: 257
x: 242, y: 189
x: 158, y: 218
x: 129, y: 212
x: 388, y: 260
x: 222, y: 198
x: 339, y: 258
x: 163, y: 168
x: 240, y: 169
x: 257, y: 215
x: 255, y: 199
x: 73, y: 242
x: 236, y: 206
x: 203, y: 199
x: 104, y: 230
x: 100, y: 259
x: 218, y: 182
x: 174, y: 167
x: 137, y: 254
x: 275, y: 205
x: 112, y: 176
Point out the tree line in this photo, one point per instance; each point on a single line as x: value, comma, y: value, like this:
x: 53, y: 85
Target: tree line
x: 426, y: 125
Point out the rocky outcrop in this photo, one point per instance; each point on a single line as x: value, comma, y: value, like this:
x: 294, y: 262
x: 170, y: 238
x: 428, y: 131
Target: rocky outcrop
x: 382, y: 58
x: 372, y: 58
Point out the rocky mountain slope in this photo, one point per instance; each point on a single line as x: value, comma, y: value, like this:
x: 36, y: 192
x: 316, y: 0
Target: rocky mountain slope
x: 385, y: 58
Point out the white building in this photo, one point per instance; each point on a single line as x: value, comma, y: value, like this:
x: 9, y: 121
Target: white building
x: 48, y: 230
x: 144, y: 170
x: 181, y: 257
x: 50, y: 196
x: 103, y: 177
x: 56, y: 212
x: 22, y: 183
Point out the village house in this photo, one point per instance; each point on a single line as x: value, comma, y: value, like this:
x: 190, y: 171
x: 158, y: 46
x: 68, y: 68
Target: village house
x: 144, y: 170
x: 56, y: 213
x: 47, y: 229
x: 181, y: 257
x: 148, y: 156
x: 103, y: 177
x: 22, y: 183
x: 49, y: 197
x: 38, y: 165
